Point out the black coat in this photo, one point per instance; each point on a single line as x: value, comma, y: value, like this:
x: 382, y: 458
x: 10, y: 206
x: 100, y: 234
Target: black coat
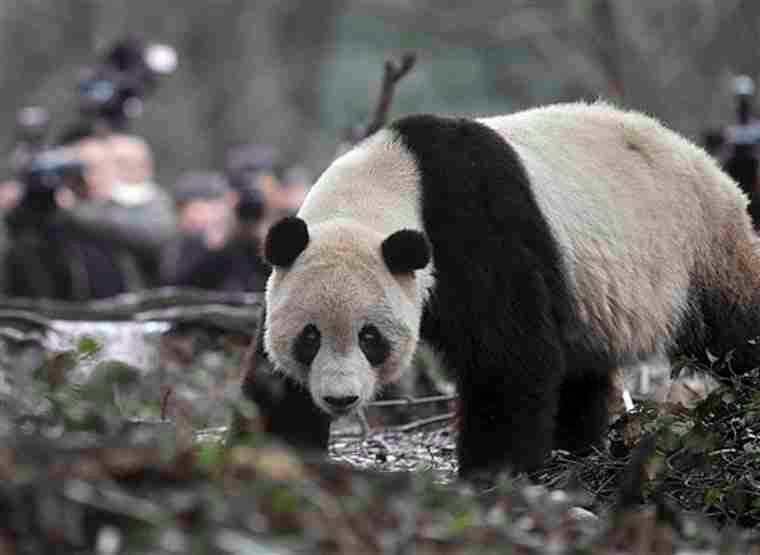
x: 238, y: 266
x: 51, y: 258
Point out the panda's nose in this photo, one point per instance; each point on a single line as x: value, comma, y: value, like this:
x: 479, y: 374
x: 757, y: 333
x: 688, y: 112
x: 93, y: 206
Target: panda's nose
x: 341, y: 403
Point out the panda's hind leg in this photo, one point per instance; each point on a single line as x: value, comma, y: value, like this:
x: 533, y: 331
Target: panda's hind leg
x: 584, y: 410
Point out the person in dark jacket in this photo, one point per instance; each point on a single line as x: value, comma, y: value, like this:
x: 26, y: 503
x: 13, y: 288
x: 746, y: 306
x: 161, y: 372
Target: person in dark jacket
x: 49, y: 256
x: 218, y: 255
x: 120, y: 201
x: 736, y: 147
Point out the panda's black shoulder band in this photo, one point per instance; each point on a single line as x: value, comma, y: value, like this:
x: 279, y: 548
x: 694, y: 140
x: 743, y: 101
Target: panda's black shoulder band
x: 285, y: 241
x: 405, y: 251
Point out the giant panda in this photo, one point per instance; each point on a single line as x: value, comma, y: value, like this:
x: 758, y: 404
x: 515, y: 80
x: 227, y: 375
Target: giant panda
x: 537, y: 252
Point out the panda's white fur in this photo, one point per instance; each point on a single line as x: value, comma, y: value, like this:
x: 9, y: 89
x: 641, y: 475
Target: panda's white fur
x: 611, y: 205
x: 638, y: 215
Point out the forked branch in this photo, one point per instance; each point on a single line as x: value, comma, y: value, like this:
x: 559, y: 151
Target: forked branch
x: 393, y: 73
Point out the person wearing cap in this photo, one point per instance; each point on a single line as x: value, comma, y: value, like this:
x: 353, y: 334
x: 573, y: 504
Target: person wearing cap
x: 282, y: 188
x: 204, y: 204
x: 739, y: 152
x: 219, y: 248
x: 120, y: 201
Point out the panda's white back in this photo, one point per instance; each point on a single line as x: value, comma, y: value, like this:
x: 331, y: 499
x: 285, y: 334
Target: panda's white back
x: 638, y: 204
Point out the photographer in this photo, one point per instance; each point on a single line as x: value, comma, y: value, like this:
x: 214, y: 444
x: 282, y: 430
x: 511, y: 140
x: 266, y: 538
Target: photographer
x: 219, y: 248
x: 259, y: 167
x: 743, y: 140
x: 737, y: 146
x: 125, y: 205
x: 49, y: 256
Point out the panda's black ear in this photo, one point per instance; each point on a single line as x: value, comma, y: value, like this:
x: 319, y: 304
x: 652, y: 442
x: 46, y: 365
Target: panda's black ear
x: 285, y: 241
x: 405, y: 251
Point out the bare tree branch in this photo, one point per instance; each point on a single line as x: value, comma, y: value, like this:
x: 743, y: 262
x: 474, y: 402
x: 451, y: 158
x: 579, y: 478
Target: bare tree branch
x: 421, y: 423
x: 394, y: 72
x: 409, y: 401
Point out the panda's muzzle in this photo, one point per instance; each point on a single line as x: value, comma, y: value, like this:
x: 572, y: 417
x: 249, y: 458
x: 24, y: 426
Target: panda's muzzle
x: 341, y: 405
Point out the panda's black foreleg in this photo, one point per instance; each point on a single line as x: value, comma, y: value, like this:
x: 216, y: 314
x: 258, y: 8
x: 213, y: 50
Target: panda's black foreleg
x: 584, y: 412
x: 508, y: 412
x: 286, y: 409
x: 510, y: 386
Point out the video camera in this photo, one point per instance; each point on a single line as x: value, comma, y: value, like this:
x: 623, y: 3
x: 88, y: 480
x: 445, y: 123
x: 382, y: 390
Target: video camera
x: 112, y: 91
x: 45, y: 174
x: 41, y: 170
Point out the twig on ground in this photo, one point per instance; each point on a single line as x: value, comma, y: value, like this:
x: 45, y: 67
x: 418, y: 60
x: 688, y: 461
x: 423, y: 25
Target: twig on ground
x: 165, y: 403
x: 409, y: 401
x: 422, y: 422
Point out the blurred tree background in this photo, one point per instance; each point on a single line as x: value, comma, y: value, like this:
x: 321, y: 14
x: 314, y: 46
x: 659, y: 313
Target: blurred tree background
x: 297, y: 73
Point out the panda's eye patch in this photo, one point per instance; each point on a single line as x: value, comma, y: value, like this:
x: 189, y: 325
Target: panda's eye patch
x: 374, y: 345
x: 307, y: 344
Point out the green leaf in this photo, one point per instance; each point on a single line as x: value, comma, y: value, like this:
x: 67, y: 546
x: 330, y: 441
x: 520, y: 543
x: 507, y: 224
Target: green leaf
x: 713, y: 497
x: 209, y: 454
x: 107, y: 374
x: 728, y: 397
x: 88, y: 346
x: 701, y: 440
x: 460, y: 523
x: 284, y: 501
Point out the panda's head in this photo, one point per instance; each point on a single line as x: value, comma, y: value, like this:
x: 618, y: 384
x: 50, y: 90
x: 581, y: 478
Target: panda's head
x: 343, y: 307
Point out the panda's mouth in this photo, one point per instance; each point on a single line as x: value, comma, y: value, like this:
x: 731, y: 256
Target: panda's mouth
x: 340, y: 405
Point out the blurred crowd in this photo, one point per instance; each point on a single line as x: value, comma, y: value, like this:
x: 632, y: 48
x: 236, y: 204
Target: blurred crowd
x: 84, y: 218
x: 87, y: 220
x: 222, y: 219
